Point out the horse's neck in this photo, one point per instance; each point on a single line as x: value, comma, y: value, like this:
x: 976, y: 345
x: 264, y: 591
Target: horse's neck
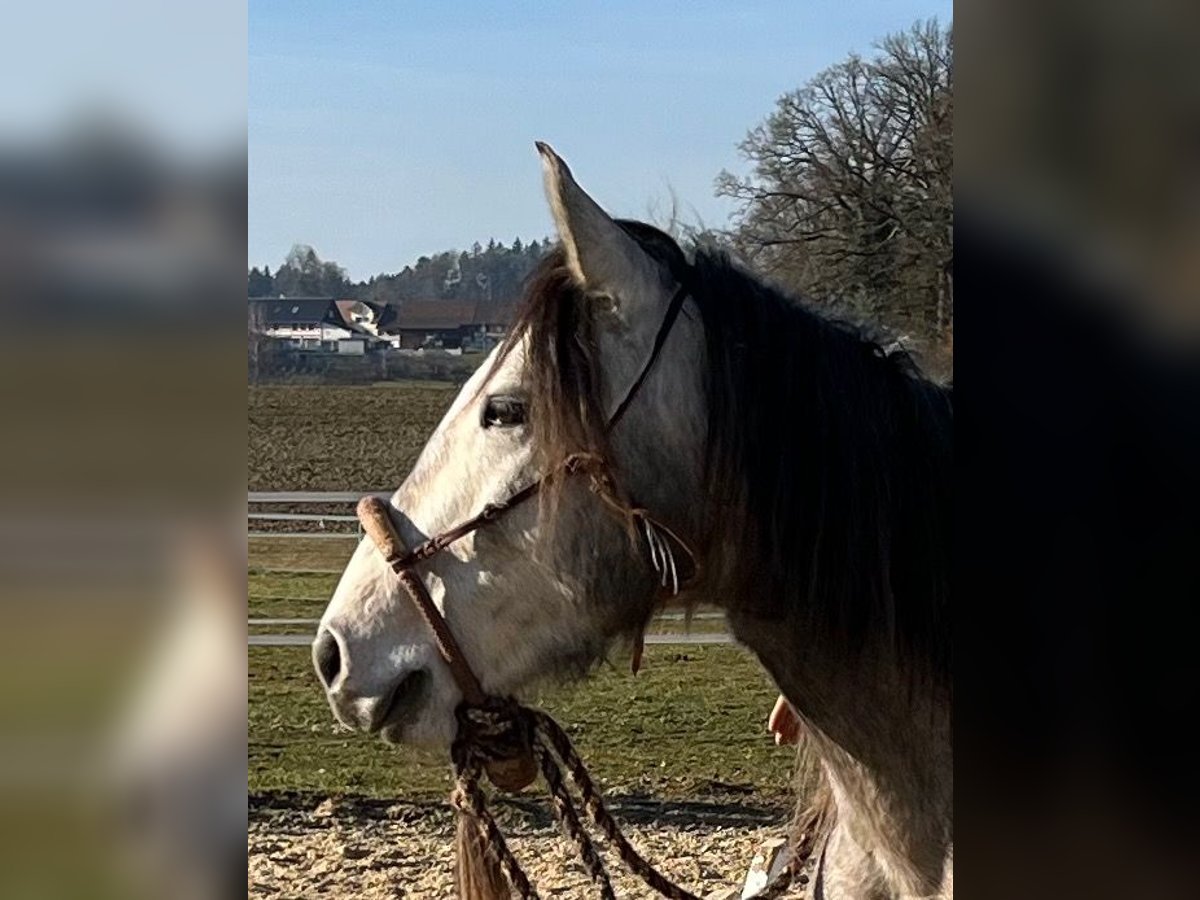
x: 886, y: 752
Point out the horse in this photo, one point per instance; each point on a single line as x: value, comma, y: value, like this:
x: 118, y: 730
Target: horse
x: 801, y: 472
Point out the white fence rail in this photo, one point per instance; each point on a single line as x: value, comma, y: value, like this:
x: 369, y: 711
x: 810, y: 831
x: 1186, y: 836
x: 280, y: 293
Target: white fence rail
x: 312, y: 496
x: 305, y: 640
x: 257, y: 499
x: 309, y: 498
x: 300, y: 517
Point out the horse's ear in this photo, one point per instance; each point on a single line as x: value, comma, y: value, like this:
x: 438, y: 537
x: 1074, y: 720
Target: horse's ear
x: 599, y: 252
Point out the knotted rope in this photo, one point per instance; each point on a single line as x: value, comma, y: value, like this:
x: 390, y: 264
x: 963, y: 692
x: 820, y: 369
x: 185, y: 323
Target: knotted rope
x: 498, y: 729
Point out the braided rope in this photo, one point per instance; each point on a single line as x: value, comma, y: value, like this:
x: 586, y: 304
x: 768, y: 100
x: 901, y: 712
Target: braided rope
x: 569, y: 820
x: 548, y: 729
x: 488, y: 733
x: 469, y: 799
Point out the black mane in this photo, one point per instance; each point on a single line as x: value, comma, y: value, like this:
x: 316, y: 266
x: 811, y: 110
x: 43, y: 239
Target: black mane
x: 829, y: 459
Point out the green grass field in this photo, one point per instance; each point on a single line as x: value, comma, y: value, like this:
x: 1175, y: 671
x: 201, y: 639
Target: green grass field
x: 691, y: 724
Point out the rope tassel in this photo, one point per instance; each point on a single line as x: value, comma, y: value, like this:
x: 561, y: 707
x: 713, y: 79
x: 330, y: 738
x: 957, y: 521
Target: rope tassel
x: 662, y: 556
x: 477, y: 873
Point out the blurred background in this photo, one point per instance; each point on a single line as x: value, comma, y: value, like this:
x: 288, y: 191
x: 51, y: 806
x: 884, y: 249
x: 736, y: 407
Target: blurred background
x: 122, y: 243
x: 1077, y: 438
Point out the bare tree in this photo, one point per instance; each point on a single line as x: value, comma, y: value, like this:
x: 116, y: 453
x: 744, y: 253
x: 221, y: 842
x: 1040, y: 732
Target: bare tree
x: 850, y: 197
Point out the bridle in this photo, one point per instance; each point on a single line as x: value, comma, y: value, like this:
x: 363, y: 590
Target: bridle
x: 376, y: 519
x: 513, y: 743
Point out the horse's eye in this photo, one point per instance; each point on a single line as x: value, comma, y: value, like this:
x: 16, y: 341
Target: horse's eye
x: 503, y: 411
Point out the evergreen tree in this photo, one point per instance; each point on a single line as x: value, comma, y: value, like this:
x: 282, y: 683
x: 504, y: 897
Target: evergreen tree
x: 451, y: 275
x: 260, y: 284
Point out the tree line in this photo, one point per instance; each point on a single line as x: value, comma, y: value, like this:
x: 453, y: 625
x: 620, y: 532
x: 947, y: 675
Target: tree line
x: 848, y: 202
x: 496, y: 271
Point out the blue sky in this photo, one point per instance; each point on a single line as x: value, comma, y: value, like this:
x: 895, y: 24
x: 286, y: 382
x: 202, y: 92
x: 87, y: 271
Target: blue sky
x: 379, y: 132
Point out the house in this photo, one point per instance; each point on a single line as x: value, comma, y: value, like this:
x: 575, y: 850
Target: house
x: 358, y: 312
x: 446, y: 324
x: 316, y: 323
x: 493, y: 318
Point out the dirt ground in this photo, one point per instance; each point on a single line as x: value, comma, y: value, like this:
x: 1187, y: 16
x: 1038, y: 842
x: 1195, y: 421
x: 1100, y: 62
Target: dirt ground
x: 371, y: 850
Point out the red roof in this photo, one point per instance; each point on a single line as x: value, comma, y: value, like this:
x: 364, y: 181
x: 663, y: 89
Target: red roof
x: 431, y: 315
x: 444, y: 315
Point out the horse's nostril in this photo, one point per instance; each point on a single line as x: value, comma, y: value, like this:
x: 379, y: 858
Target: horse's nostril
x: 327, y: 657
